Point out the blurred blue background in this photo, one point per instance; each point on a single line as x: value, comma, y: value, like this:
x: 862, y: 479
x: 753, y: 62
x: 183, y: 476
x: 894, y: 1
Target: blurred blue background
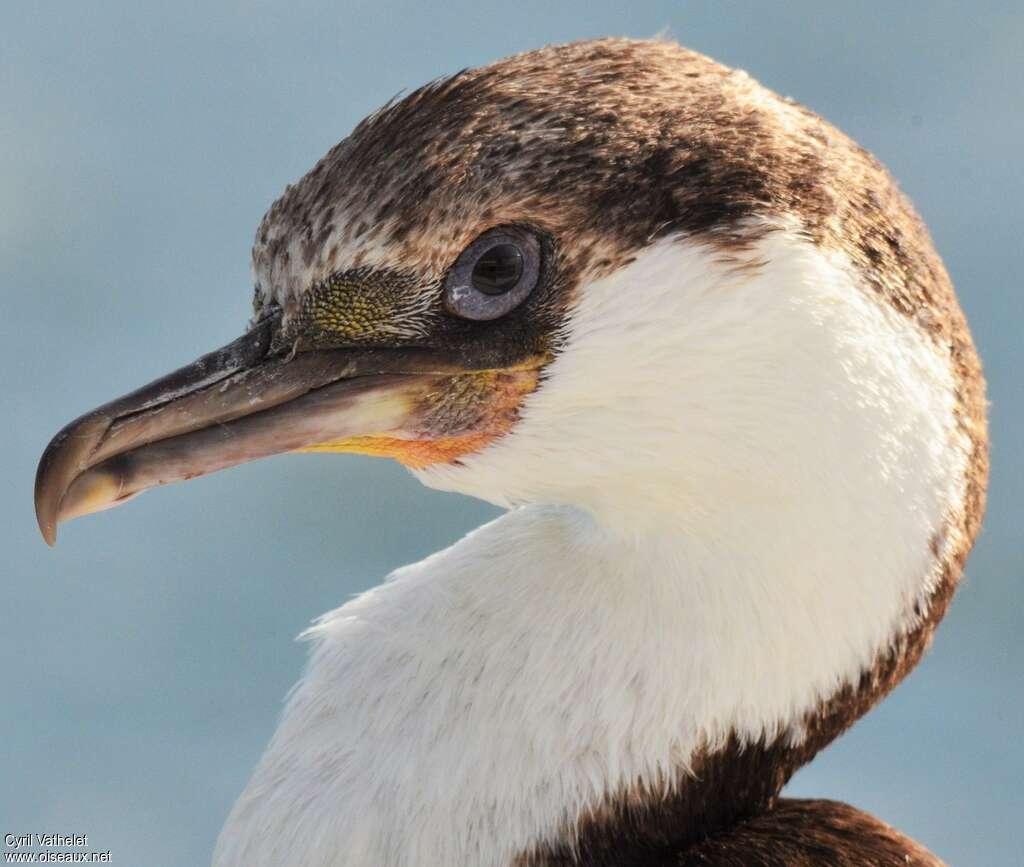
x: 144, y: 660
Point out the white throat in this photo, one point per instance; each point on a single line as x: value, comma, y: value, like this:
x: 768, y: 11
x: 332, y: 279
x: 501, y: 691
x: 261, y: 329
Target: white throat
x: 745, y: 471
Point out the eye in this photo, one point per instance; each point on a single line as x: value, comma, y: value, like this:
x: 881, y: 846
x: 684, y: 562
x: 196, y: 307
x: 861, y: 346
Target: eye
x: 494, y: 274
x: 498, y: 270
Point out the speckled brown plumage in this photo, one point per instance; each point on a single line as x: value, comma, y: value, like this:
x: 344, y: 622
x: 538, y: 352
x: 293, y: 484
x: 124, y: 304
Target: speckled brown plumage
x: 604, y: 147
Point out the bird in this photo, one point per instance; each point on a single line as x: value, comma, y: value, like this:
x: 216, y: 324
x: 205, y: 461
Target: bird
x: 699, y: 347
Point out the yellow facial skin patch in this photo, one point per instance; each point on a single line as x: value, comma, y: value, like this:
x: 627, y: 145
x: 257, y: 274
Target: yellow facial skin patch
x: 464, y: 414
x: 358, y: 308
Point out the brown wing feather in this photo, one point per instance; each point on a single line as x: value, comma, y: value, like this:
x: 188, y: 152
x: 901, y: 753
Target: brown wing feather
x: 807, y: 833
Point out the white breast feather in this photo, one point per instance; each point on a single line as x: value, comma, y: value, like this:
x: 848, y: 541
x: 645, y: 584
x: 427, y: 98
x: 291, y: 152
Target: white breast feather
x: 732, y: 478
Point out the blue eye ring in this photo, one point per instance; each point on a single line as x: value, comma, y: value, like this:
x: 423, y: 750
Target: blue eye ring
x: 494, y: 274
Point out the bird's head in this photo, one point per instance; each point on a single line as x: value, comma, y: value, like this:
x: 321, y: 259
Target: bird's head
x: 608, y: 273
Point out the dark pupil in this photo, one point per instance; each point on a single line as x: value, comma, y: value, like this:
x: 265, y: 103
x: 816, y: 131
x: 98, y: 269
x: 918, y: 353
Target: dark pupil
x: 498, y: 270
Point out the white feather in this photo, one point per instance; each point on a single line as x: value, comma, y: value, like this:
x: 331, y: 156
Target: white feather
x: 726, y: 489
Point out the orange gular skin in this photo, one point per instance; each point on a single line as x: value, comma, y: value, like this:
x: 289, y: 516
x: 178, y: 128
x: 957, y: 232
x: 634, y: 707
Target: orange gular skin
x: 463, y: 415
